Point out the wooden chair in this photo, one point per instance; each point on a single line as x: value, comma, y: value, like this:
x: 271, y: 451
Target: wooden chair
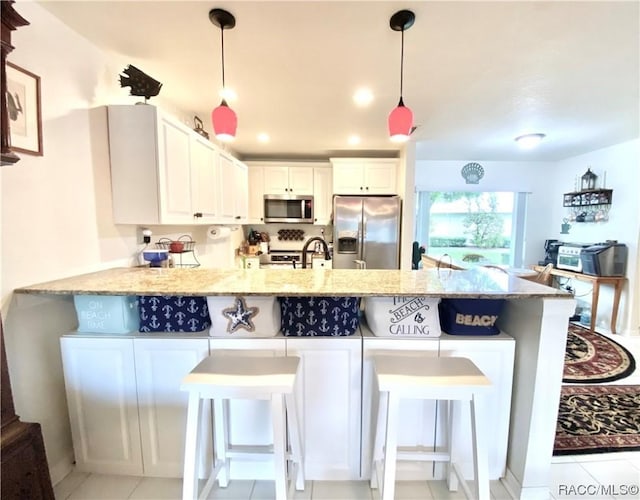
x: 544, y: 276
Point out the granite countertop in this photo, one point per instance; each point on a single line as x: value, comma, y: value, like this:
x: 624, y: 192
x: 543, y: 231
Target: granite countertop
x: 474, y: 283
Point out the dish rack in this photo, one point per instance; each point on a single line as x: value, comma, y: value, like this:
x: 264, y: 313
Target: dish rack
x: 187, y: 245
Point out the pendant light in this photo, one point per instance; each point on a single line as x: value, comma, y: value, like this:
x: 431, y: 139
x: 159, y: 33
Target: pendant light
x: 223, y: 118
x: 401, y: 117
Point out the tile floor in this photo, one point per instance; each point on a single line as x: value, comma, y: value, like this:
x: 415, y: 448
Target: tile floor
x: 601, y: 476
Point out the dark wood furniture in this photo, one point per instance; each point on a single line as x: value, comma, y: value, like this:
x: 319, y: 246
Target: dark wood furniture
x: 24, y: 470
x: 11, y: 20
x: 596, y: 281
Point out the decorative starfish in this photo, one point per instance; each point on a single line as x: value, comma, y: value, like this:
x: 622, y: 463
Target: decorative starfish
x: 240, y: 316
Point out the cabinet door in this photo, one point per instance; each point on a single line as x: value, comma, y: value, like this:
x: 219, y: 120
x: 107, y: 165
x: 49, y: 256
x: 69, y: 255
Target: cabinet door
x: 322, y: 195
x: 276, y: 180
x: 495, y: 357
x: 250, y: 420
x: 100, y: 384
x: 348, y: 178
x: 174, y: 172
x: 204, y: 180
x: 161, y: 364
x: 256, y: 195
x: 241, y: 192
x: 301, y: 180
x: 418, y: 417
x: 380, y: 177
x: 227, y: 176
x: 328, y: 398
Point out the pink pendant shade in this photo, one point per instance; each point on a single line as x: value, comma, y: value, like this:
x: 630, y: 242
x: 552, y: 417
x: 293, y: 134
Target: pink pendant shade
x: 400, y: 123
x: 225, y: 122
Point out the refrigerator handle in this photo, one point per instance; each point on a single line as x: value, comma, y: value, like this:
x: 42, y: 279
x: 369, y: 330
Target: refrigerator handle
x: 363, y: 237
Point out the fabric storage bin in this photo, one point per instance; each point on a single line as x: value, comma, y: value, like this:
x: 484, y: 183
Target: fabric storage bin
x: 239, y: 317
x: 470, y: 316
x: 106, y: 313
x: 173, y: 313
x: 402, y: 316
x: 319, y: 316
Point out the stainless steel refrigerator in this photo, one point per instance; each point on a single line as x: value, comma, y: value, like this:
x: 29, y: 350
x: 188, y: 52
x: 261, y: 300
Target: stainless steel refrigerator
x: 366, y: 232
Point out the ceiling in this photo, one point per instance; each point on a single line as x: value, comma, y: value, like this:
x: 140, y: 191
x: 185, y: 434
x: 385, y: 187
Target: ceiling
x: 477, y: 74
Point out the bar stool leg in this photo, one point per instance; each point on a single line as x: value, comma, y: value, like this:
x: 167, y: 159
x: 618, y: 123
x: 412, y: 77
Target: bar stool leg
x: 480, y: 451
x: 192, y: 445
x: 220, y: 419
x: 390, y: 449
x: 296, y: 442
x: 453, y: 412
x: 377, y: 454
x: 279, y: 449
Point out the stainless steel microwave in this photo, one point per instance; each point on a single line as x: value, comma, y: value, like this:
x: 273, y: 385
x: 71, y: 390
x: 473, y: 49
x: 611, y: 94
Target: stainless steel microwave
x: 288, y: 208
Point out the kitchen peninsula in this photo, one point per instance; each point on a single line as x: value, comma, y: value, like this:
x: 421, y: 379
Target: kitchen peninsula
x: 535, y: 316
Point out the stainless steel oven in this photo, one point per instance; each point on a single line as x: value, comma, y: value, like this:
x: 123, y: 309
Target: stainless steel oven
x: 288, y: 208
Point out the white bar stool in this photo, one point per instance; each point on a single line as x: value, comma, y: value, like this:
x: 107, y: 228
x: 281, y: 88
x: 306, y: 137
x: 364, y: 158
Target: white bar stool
x: 224, y: 377
x: 453, y: 380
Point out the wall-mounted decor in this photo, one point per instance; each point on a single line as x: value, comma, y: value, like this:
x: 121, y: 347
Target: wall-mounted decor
x: 23, y: 106
x: 472, y: 173
x: 588, y: 181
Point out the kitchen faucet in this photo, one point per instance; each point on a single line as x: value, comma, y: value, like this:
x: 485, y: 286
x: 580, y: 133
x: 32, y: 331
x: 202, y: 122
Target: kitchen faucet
x: 306, y: 245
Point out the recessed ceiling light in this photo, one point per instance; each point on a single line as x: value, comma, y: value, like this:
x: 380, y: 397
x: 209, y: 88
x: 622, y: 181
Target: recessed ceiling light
x: 529, y: 141
x: 228, y: 94
x: 363, y: 97
x: 263, y: 137
x: 354, y: 140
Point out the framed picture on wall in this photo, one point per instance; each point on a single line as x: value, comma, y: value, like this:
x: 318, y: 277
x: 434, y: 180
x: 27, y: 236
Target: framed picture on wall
x: 23, y: 106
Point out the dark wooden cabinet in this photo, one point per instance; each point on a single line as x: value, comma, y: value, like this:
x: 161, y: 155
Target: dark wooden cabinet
x: 23, y: 469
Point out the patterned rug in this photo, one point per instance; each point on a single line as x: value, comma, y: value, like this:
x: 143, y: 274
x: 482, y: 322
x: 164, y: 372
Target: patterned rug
x: 598, y: 419
x: 591, y: 358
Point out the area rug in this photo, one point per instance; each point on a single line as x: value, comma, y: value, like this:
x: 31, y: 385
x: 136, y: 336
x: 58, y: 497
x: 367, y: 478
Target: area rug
x: 591, y: 358
x: 598, y: 419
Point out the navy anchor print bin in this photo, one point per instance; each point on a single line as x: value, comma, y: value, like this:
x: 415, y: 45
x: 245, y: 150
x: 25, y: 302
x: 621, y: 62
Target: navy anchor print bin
x: 319, y: 316
x: 173, y: 313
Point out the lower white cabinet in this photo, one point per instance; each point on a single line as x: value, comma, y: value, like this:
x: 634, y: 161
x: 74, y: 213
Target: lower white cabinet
x: 127, y: 412
x: 329, y: 404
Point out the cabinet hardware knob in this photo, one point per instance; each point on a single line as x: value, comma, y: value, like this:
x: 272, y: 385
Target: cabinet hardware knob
x: 238, y: 217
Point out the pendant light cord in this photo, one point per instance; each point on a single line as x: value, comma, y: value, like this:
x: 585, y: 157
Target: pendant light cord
x: 222, y: 44
x: 401, y: 61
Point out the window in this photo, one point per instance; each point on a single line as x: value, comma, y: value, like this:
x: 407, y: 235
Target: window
x: 472, y: 227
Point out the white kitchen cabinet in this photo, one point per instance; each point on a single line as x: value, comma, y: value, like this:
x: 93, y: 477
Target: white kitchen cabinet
x: 364, y: 176
x: 233, y: 190
x: 284, y: 179
x: 328, y: 398
x: 162, y: 172
x: 127, y: 412
x: 100, y: 383
x: 161, y: 364
x: 322, y: 195
x: 255, y: 176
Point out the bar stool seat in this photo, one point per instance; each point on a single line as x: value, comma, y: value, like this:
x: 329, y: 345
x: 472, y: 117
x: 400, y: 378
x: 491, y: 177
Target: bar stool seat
x: 221, y: 377
x: 449, y: 379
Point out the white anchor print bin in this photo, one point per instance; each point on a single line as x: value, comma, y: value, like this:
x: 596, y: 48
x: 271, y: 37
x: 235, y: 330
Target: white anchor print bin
x: 243, y: 317
x: 173, y: 313
x: 319, y: 316
x: 403, y: 316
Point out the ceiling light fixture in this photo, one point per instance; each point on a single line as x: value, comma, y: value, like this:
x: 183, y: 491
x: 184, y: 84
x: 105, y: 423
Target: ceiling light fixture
x: 223, y: 118
x: 263, y: 137
x: 401, y: 118
x: 529, y: 141
x: 363, y: 97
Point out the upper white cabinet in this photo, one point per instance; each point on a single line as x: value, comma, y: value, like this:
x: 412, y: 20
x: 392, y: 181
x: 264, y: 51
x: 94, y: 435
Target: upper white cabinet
x: 233, y: 190
x: 285, y: 179
x: 162, y: 172
x: 322, y: 195
x: 363, y: 176
x: 256, y: 195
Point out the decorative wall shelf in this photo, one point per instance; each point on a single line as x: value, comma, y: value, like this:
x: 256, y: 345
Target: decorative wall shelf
x: 589, y: 198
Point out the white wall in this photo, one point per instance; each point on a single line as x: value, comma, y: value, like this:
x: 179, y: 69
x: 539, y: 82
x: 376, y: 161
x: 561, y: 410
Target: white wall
x: 622, y: 175
x: 56, y: 214
x: 524, y: 177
